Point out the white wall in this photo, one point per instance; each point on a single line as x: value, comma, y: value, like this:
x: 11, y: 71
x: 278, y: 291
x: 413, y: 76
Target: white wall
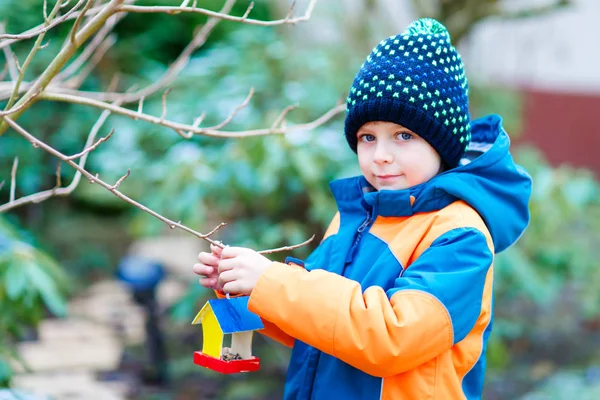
x: 560, y: 51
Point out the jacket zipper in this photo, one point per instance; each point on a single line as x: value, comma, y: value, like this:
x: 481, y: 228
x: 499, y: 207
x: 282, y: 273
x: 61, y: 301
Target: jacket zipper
x: 354, y: 247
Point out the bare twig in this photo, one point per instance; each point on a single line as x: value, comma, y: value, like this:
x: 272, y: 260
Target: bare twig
x: 116, y: 185
x: 41, y: 196
x: 290, y: 11
x: 179, y: 127
x: 1, y: 185
x: 282, y: 116
x: 58, y: 178
x: 4, y: 71
x: 65, y: 54
x: 235, y: 111
x: 220, y: 15
x: 164, y: 104
x: 92, y: 147
x: 32, y: 52
x: 45, y: 28
x: 171, y: 73
x: 250, y: 7
x: 78, y: 79
x: 287, y: 248
x: 215, y: 229
x: 10, y: 59
x: 75, y: 27
x: 13, y: 179
x: 95, y: 179
x: 90, y: 49
x: 140, y: 107
x: 19, y: 108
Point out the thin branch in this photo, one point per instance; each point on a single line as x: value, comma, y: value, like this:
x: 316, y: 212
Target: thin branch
x: 58, y: 179
x: 95, y: 179
x: 41, y: 196
x: 164, y: 104
x: 42, y: 28
x: 32, y: 52
x: 287, y: 248
x: 1, y: 185
x: 220, y: 15
x: 92, y: 147
x: 13, y: 179
x: 90, y: 49
x: 45, y: 10
x: 250, y: 7
x: 4, y: 71
x: 290, y: 11
x: 10, y: 59
x: 66, y: 53
x: 173, y: 71
x: 179, y: 127
x: 215, y: 229
x: 78, y: 79
x: 116, y: 185
x: 19, y: 108
x: 282, y: 116
x: 140, y: 107
x: 235, y: 111
x: 80, y: 17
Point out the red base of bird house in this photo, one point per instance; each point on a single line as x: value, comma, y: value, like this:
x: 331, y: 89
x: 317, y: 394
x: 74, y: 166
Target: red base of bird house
x: 226, y: 367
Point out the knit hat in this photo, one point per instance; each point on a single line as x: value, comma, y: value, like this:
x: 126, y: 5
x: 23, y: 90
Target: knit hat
x: 415, y: 79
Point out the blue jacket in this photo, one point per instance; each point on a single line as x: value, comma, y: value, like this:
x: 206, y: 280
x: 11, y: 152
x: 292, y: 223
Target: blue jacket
x: 396, y: 302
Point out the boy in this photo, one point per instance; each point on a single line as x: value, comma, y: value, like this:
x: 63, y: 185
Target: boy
x: 396, y: 301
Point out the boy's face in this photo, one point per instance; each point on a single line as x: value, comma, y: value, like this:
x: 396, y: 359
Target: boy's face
x: 392, y: 157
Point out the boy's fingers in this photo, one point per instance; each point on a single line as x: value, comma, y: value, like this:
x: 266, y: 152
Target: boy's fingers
x: 208, y: 259
x: 232, y: 287
x: 216, y: 250
x: 208, y: 282
x: 203, y: 269
x: 231, y: 252
x: 226, y: 265
x: 226, y: 276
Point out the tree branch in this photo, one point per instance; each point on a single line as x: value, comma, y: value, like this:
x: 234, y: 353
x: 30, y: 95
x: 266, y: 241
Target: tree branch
x: 10, y: 59
x: 95, y: 179
x: 65, y: 54
x: 235, y: 111
x: 191, y: 129
x: 96, y: 43
x: 13, y: 179
x: 56, y: 191
x: 34, y: 49
x: 42, y: 28
x: 287, y: 248
x: 243, y: 19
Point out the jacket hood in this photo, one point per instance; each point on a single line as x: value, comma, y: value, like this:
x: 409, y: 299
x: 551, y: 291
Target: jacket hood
x: 488, y: 180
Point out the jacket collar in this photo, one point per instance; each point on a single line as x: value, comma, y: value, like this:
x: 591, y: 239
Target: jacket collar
x: 357, y: 195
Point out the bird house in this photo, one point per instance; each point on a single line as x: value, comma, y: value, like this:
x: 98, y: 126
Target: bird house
x: 229, y: 316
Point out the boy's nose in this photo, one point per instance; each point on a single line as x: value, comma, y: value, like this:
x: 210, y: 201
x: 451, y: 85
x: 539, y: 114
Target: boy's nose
x: 382, y: 154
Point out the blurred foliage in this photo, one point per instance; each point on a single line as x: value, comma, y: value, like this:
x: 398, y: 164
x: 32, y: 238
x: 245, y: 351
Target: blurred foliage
x: 31, y: 282
x: 272, y: 190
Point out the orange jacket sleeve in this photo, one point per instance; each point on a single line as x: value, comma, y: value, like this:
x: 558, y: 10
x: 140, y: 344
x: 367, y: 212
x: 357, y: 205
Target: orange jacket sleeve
x: 382, y: 334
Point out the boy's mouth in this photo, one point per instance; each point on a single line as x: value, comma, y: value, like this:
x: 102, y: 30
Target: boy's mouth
x: 388, y: 176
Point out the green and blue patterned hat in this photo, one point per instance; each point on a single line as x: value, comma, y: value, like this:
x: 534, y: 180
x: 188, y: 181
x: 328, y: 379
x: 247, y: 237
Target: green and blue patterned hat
x: 415, y: 79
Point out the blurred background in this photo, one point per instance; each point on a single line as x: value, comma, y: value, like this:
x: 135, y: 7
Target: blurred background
x: 96, y: 296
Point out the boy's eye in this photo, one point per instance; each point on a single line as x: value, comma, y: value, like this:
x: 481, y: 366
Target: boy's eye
x: 405, y: 136
x: 367, y: 137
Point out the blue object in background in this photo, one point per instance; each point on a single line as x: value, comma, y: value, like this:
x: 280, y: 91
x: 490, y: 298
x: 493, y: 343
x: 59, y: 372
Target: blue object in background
x: 140, y: 273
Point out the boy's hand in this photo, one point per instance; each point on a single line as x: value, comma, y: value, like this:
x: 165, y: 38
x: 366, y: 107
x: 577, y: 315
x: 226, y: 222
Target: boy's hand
x: 208, y: 267
x: 240, y: 268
